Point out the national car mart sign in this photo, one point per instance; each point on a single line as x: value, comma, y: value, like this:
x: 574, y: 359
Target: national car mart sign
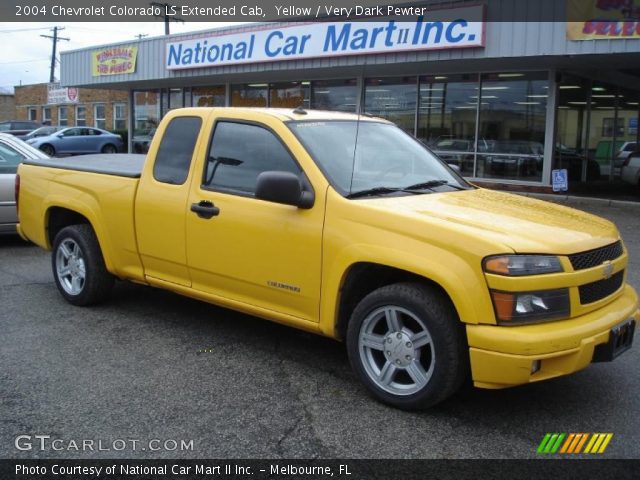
x: 312, y: 40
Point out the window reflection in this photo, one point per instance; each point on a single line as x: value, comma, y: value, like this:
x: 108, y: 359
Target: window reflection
x: 289, y: 95
x: 338, y: 95
x: 208, y: 96
x: 512, y: 125
x: 250, y: 95
x: 447, y: 118
x: 393, y: 99
x: 146, y: 111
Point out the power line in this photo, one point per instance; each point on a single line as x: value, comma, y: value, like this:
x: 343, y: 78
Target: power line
x: 25, y: 61
x: 24, y: 30
x: 55, y: 39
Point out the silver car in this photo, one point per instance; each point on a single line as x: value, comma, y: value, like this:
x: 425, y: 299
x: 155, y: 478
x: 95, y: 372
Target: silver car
x: 12, y: 152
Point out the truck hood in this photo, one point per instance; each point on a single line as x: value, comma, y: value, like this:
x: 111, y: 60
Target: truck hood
x: 523, y: 224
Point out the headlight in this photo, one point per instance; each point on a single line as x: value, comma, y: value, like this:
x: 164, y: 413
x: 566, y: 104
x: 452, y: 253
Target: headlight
x: 513, y: 308
x: 518, y: 265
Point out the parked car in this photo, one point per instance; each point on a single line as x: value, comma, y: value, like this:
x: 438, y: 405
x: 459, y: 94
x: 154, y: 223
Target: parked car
x: 40, y: 132
x: 18, y: 127
x: 12, y: 152
x: 631, y: 169
x: 78, y: 140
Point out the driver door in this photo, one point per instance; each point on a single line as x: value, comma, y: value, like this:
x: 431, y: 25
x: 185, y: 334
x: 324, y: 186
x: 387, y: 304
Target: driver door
x: 258, y: 253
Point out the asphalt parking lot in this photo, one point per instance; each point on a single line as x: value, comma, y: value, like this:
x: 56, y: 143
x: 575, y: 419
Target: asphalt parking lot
x: 153, y: 365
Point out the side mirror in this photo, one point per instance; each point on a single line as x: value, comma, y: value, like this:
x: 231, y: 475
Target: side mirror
x: 283, y: 187
x: 454, y: 167
x: 60, y: 135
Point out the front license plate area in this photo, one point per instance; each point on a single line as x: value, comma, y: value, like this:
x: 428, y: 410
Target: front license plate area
x: 620, y: 340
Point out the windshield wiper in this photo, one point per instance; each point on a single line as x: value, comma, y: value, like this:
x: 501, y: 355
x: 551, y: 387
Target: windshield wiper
x: 372, y: 192
x: 431, y: 184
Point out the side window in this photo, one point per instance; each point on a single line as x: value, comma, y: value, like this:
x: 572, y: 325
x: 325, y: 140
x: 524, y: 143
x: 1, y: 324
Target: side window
x: 240, y: 152
x: 9, y: 159
x: 176, y: 150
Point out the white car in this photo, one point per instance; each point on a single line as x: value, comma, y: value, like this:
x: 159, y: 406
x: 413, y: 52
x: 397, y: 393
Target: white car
x: 631, y: 169
x: 12, y: 152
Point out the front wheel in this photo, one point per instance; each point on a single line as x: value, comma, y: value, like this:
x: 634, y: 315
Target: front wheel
x: 48, y: 149
x: 407, y: 345
x: 78, y: 266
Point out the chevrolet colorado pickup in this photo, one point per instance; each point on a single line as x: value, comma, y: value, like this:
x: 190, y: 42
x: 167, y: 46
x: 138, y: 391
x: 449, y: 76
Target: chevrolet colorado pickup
x: 345, y: 226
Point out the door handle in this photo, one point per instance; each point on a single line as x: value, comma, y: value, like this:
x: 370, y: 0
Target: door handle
x: 205, y: 209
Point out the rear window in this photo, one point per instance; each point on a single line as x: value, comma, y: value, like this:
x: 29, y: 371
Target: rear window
x: 9, y: 159
x: 176, y: 149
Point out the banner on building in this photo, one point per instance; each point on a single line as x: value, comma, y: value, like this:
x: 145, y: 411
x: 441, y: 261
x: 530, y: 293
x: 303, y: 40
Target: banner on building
x: 57, y: 94
x: 315, y: 40
x: 114, y: 60
x: 603, y: 19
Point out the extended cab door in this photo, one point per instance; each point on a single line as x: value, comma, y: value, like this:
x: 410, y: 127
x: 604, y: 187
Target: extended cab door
x: 161, y: 201
x: 259, y: 253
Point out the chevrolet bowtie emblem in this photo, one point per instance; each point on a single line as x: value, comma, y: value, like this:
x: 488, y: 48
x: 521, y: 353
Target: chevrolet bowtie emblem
x: 607, y: 269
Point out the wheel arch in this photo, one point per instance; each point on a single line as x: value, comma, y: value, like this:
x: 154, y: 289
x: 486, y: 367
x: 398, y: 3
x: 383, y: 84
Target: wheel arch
x: 58, y: 217
x: 362, y: 278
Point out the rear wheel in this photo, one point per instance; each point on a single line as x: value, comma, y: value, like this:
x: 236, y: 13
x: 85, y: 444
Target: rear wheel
x: 78, y: 266
x: 48, y: 149
x: 407, y: 345
x: 109, y: 148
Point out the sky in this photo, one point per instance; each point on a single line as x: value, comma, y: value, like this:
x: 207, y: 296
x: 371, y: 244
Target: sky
x: 26, y: 56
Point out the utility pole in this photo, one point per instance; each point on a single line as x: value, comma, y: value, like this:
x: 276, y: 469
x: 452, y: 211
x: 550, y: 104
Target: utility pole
x: 55, y: 39
x: 142, y: 35
x: 167, y: 18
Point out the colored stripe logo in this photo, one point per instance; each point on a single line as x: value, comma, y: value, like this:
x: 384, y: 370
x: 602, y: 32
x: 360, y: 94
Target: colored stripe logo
x: 573, y: 443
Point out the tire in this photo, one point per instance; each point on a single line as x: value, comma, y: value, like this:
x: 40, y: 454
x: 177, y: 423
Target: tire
x: 109, y: 148
x: 48, y: 149
x: 407, y: 346
x: 78, y: 266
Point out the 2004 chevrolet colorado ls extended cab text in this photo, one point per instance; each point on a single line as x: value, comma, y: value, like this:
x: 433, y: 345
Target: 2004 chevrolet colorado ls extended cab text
x: 347, y: 227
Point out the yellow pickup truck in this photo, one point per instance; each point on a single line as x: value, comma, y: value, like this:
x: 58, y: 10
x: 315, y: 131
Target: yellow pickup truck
x: 345, y: 226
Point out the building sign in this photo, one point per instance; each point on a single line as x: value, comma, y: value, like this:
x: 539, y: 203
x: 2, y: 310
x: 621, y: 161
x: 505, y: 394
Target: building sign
x: 603, y: 19
x: 57, y: 94
x: 329, y: 40
x: 114, y: 60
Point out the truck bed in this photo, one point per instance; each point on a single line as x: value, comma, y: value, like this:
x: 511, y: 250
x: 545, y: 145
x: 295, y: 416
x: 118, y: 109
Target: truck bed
x: 119, y: 164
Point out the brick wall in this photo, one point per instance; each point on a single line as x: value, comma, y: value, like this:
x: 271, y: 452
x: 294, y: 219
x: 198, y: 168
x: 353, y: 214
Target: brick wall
x: 7, y: 107
x: 29, y: 97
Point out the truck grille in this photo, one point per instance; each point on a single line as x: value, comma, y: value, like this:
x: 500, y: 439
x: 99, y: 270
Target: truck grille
x: 593, y: 258
x: 592, y: 292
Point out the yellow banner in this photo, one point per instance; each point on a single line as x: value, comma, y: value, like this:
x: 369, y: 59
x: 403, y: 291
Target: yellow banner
x: 603, y: 19
x: 114, y: 60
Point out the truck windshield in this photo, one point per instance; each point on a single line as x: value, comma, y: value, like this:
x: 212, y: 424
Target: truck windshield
x: 373, y: 157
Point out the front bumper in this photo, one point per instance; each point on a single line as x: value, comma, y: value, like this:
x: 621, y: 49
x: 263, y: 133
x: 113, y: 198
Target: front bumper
x: 504, y: 356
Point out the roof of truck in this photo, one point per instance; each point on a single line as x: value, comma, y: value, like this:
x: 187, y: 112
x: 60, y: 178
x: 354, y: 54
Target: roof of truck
x: 286, y: 114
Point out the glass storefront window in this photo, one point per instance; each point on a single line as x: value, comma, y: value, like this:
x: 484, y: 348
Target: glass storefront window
x: 394, y: 99
x: 146, y: 114
x: 512, y: 125
x: 340, y: 95
x: 250, y: 95
x: 447, y: 118
x: 289, y: 94
x: 208, y: 96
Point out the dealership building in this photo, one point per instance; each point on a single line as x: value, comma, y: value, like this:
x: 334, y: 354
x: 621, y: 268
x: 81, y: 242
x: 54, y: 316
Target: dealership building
x: 508, y: 101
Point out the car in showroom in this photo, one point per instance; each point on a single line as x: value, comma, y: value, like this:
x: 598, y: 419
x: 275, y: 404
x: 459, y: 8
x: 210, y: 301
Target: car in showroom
x: 12, y: 153
x: 631, y: 169
x: 78, y: 140
x: 18, y: 127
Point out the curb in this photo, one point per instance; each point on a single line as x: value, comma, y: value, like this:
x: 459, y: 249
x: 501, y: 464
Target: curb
x: 570, y: 199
